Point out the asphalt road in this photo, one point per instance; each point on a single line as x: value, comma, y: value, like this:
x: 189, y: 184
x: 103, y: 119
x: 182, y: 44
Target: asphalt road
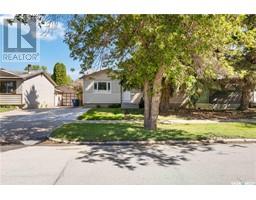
x: 28, y: 126
x: 151, y: 164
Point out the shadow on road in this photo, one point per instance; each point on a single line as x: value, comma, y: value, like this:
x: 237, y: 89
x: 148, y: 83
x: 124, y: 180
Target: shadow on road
x: 132, y: 156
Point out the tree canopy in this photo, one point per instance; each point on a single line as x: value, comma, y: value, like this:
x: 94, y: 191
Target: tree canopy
x: 241, y: 55
x: 146, y: 48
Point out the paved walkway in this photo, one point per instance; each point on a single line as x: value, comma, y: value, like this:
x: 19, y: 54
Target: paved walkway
x: 171, y: 121
x: 141, y: 164
x: 34, y: 125
x: 204, y: 121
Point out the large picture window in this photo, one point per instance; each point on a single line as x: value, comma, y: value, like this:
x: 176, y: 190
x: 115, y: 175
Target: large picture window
x: 8, y: 87
x: 102, y: 87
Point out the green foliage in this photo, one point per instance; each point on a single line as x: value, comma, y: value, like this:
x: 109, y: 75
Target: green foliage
x: 140, y: 44
x: 135, y: 132
x: 59, y: 74
x: 7, y: 108
x: 243, y: 56
x: 69, y: 80
x: 148, y: 48
x: 36, y: 67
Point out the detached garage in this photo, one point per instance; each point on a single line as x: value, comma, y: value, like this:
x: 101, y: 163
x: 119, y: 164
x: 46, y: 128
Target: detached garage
x: 64, y: 95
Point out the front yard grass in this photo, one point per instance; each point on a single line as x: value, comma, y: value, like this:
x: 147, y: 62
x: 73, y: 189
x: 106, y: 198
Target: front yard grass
x: 185, y: 114
x: 135, y: 132
x: 111, y: 114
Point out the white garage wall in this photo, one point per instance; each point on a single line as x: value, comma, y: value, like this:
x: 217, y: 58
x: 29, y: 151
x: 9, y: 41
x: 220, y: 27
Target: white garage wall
x: 38, y: 92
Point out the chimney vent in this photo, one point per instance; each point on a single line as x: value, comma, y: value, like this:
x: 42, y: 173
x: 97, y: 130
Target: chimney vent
x: 29, y: 68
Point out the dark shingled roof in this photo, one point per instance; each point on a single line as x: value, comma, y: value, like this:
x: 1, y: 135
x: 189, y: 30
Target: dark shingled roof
x: 24, y: 75
x: 93, y: 72
x: 66, y: 89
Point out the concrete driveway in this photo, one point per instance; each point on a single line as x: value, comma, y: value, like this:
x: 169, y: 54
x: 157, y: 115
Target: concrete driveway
x: 149, y: 164
x: 34, y: 125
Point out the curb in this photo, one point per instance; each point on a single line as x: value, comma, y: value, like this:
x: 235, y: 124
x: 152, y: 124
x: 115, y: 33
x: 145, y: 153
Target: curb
x: 150, y: 142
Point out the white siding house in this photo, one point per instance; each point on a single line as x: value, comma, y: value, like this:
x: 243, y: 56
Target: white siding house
x: 100, y: 89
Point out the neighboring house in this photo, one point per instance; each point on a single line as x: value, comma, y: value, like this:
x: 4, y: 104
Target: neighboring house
x: 222, y: 100
x: 225, y: 94
x: 219, y: 100
x: 33, y: 89
x: 100, y: 89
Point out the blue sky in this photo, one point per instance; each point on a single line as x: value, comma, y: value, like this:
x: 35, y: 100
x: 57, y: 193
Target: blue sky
x: 52, y: 50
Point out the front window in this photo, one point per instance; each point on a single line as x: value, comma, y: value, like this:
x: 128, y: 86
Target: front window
x: 8, y: 87
x: 102, y: 86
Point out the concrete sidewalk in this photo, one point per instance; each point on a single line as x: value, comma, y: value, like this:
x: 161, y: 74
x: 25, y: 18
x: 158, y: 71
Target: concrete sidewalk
x: 171, y: 121
x: 130, y: 164
x: 204, y: 121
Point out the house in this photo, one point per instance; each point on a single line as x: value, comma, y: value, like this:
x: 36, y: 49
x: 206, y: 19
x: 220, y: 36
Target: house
x: 32, y: 89
x: 99, y: 88
x: 224, y: 94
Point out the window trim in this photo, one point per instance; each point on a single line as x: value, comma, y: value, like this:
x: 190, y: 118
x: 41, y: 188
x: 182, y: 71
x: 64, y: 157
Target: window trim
x: 96, y: 91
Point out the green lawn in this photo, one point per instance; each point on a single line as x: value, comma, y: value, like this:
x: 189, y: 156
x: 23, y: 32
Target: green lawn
x: 135, y: 132
x: 111, y: 114
x: 6, y: 108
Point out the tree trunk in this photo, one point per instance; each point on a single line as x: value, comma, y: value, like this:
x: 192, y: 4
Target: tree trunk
x: 152, y: 97
x: 245, y: 99
x: 248, y: 86
x: 147, y: 105
x: 165, y: 98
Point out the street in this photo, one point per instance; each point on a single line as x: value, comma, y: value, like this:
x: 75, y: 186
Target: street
x: 140, y: 164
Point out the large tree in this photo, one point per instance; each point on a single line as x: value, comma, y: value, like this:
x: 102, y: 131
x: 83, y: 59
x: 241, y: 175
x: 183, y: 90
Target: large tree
x: 147, y: 48
x: 242, y: 56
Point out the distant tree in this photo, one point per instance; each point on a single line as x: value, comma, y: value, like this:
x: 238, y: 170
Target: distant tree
x: 69, y: 80
x: 59, y: 74
x: 36, y: 67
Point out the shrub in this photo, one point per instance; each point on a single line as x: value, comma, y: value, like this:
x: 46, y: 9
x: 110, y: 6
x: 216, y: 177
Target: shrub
x: 116, y: 105
x: 8, y: 106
